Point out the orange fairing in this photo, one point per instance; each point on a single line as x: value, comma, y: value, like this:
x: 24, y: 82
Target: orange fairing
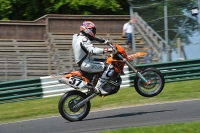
x: 118, y: 64
x: 109, y: 60
x: 137, y: 54
x: 121, y: 50
x: 76, y: 73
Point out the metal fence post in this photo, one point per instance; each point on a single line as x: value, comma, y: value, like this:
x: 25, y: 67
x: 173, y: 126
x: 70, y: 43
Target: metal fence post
x: 25, y: 66
x: 166, y: 32
x: 6, y: 71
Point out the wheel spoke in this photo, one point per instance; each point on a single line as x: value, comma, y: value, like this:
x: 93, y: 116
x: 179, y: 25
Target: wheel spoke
x: 156, y: 82
x: 68, y: 106
x: 154, y: 85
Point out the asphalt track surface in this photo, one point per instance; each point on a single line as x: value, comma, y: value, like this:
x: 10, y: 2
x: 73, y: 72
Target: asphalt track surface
x: 154, y: 114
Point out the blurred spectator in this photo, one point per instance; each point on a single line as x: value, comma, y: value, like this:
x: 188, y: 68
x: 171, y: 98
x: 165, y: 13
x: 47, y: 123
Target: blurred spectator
x: 127, y: 31
x: 148, y: 56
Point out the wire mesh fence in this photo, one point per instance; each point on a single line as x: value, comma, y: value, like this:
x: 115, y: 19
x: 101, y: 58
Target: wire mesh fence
x: 180, y: 22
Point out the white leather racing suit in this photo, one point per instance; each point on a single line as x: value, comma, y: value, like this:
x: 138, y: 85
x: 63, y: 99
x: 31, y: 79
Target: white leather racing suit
x: 83, y: 49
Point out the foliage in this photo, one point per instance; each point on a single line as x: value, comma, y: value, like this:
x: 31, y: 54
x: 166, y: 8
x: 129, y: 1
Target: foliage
x: 33, y: 9
x: 5, y: 9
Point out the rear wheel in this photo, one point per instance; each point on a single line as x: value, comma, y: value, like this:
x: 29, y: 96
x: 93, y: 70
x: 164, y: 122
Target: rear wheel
x: 156, y: 85
x: 67, y: 107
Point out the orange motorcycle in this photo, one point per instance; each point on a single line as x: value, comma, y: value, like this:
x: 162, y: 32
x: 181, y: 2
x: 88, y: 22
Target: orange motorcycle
x: 75, y: 105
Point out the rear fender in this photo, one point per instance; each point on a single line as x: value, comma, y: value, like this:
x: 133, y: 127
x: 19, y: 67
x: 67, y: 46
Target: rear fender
x: 78, y: 74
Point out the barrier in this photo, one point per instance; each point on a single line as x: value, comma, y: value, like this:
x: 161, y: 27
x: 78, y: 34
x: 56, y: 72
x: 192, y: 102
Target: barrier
x: 42, y: 87
x: 178, y: 70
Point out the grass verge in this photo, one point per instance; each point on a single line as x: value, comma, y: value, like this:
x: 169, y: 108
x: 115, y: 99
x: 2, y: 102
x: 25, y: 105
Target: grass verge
x: 125, y: 97
x: 188, y: 127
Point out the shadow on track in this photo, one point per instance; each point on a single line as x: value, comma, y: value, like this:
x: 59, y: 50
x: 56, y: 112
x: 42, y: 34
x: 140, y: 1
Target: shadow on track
x: 130, y: 114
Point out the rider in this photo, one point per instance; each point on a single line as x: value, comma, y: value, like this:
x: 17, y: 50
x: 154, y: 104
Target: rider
x: 83, y: 49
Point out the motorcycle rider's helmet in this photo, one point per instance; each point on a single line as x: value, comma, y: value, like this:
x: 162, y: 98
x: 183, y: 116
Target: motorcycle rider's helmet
x: 88, y: 29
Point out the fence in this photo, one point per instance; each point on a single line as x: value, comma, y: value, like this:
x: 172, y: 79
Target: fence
x: 170, y: 19
x: 153, y: 39
x: 58, y: 24
x: 34, y: 88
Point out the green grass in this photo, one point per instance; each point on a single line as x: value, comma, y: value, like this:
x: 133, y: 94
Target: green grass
x: 190, y: 127
x: 125, y: 97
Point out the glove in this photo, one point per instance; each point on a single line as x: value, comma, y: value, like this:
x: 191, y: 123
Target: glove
x: 107, y: 42
x: 108, y: 50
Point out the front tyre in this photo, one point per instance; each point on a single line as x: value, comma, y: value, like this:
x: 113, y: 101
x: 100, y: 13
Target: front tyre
x: 156, y: 85
x: 67, y: 109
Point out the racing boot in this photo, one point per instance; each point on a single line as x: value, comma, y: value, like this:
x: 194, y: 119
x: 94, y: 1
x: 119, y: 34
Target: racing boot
x: 99, y: 85
x: 103, y: 80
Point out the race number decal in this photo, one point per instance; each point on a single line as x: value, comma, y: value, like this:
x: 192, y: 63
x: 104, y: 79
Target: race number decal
x: 76, y: 83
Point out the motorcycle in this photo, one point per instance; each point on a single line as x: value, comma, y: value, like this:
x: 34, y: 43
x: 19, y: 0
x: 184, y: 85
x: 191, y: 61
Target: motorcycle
x: 75, y: 105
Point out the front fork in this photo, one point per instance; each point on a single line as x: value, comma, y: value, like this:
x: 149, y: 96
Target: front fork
x: 136, y: 71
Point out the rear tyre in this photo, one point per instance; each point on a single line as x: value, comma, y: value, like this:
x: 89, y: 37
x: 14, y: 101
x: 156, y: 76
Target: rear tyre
x: 155, y: 87
x: 67, y: 109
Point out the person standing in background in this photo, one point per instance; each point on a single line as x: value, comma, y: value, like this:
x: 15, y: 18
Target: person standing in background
x: 148, y: 56
x: 127, y: 31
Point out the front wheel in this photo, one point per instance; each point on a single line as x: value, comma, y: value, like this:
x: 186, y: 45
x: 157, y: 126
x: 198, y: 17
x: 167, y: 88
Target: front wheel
x: 67, y: 107
x: 156, y: 79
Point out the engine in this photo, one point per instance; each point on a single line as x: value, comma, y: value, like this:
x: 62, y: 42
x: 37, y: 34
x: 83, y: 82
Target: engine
x: 113, y: 85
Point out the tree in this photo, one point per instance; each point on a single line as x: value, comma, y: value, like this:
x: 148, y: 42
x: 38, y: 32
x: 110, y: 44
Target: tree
x: 33, y: 9
x: 5, y: 9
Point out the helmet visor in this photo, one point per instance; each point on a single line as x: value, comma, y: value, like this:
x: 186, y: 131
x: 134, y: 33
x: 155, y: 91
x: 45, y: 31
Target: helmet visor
x: 93, y: 30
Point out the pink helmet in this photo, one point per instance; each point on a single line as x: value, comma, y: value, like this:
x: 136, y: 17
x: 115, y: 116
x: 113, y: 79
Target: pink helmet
x: 88, y: 28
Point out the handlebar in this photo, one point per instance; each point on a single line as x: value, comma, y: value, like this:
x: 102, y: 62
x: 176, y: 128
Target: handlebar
x: 101, y: 40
